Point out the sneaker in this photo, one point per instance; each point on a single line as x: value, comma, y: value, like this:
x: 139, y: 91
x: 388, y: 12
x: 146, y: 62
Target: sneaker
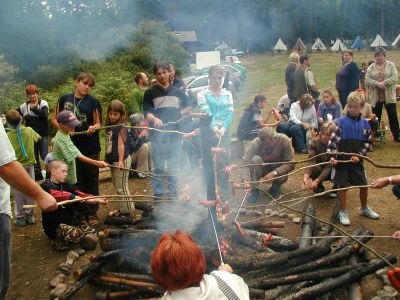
x: 332, y: 195
x: 30, y: 220
x: 141, y: 175
x: 304, y: 151
x: 369, y: 213
x: 21, y: 222
x: 344, y: 218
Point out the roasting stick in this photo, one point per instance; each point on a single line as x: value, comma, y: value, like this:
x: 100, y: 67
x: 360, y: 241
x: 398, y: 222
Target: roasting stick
x: 216, y: 236
x: 343, y: 236
x: 241, y: 204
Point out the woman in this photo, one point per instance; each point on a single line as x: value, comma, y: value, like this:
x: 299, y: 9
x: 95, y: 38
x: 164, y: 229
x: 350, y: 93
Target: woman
x: 302, y: 117
x: 178, y: 265
x: 35, y: 113
x: 347, y: 78
x: 380, y: 81
x: 328, y: 107
x: 217, y: 103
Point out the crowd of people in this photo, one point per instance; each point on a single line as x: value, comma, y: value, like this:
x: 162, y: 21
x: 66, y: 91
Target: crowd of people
x: 161, y: 132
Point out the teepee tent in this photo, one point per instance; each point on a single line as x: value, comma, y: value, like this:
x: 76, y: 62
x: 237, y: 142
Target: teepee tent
x: 396, y: 42
x: 358, y: 44
x: 338, y: 46
x: 280, y: 46
x: 318, y: 45
x: 378, y: 42
x: 299, y: 46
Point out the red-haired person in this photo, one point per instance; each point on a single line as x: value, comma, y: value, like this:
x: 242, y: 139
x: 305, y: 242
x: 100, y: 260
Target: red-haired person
x: 178, y: 265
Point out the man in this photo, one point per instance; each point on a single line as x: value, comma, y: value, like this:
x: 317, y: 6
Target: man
x: 135, y: 106
x: 304, y: 82
x: 289, y: 75
x: 163, y: 106
x: 269, y: 147
x: 13, y: 173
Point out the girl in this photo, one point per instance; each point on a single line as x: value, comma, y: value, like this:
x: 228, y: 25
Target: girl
x: 117, y: 154
x: 329, y: 106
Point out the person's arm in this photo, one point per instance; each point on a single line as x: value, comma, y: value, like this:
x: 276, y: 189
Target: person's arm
x: 122, y: 136
x: 384, y: 181
x: 186, y: 107
x: 313, y: 120
x: 42, y: 112
x: 202, y: 103
x: 287, y: 155
x: 310, y: 81
x: 369, y: 81
x: 96, y: 163
x: 338, y: 111
x: 97, y: 120
x: 53, y: 120
x: 148, y: 109
x: 294, y: 112
x: 229, y: 114
x: 392, y: 79
x: 15, y: 175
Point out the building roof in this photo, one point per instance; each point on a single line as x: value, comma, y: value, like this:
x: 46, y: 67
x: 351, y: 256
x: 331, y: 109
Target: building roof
x: 186, y: 36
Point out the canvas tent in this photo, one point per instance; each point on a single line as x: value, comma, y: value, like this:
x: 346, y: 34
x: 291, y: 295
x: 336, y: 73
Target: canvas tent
x: 299, y: 46
x: 338, y: 46
x: 318, y: 45
x: 358, y: 44
x: 280, y: 46
x: 396, y: 42
x: 378, y: 42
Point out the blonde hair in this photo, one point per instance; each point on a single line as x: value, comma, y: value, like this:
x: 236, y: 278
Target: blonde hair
x: 294, y: 57
x: 56, y: 164
x: 357, y: 97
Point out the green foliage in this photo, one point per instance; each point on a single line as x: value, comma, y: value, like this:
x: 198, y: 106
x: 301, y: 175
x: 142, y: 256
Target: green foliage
x: 11, y: 93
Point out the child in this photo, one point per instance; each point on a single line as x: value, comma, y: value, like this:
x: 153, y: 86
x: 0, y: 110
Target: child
x: 329, y: 106
x: 23, y: 140
x: 352, y: 135
x: 117, y: 154
x: 65, y: 150
x: 60, y: 224
x: 318, y: 174
x: 140, y: 146
x: 363, y: 71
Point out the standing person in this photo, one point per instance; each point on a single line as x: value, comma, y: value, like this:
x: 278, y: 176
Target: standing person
x: 35, y: 112
x: 178, y: 265
x: 117, y: 154
x: 217, y: 103
x: 12, y: 173
x: 64, y: 149
x: 136, y: 104
x: 289, y: 75
x: 363, y: 72
x: 347, y: 78
x: 163, y: 105
x: 23, y: 140
x: 304, y: 82
x: 302, y: 118
x: 352, y: 135
x: 87, y: 110
x: 328, y: 106
x: 380, y: 81
x: 175, y: 80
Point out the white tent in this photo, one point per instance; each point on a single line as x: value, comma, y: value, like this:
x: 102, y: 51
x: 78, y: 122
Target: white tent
x: 318, y: 45
x: 378, y: 42
x: 338, y: 46
x: 396, y: 41
x: 280, y: 46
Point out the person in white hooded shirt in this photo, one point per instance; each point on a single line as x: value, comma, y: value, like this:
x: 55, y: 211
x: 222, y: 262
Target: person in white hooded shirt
x: 178, y: 265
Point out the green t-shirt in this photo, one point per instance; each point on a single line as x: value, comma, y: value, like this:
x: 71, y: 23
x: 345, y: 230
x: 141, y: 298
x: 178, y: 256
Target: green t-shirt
x: 136, y: 104
x: 65, y: 150
x: 30, y: 137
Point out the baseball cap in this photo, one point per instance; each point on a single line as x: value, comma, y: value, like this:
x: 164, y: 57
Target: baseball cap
x: 66, y: 117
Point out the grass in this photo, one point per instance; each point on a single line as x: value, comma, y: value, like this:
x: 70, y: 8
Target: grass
x: 266, y: 75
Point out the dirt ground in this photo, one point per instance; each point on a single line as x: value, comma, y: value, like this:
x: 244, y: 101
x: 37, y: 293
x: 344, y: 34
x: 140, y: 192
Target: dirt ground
x: 34, y: 262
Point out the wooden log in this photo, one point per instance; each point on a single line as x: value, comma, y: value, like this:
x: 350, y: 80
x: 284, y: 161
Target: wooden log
x: 118, y: 232
x: 120, y: 220
x: 73, y: 289
x: 340, y: 281
x: 140, y: 285
x: 256, y: 261
x: 109, y: 295
x: 354, y: 291
x: 256, y: 293
x: 275, y: 293
x: 105, y: 255
x: 138, y: 277
x: 272, y: 224
x: 261, y: 241
x: 316, y: 275
x: 307, y: 226
x: 131, y: 241
x: 89, y: 269
x: 334, y: 216
x: 258, y: 227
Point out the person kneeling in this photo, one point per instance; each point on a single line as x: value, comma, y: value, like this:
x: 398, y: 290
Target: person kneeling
x: 178, y: 265
x: 61, y: 225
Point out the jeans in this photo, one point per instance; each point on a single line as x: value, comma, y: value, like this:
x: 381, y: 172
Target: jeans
x: 165, y: 151
x: 396, y: 191
x: 5, y: 254
x: 296, y: 132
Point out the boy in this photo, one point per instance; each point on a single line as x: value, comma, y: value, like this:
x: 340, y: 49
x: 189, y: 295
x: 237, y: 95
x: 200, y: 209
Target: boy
x: 65, y: 150
x: 352, y: 135
x: 23, y: 141
x: 163, y: 105
x: 60, y: 224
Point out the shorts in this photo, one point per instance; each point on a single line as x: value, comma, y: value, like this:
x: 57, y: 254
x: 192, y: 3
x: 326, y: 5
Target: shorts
x: 353, y: 177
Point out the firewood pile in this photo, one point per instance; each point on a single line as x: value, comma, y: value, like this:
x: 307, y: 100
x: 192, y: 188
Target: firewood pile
x: 274, y: 267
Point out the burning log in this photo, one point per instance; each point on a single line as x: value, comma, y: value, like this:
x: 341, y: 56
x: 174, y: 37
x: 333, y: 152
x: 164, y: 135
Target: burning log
x: 308, y: 226
x: 354, y: 291
x: 89, y: 269
x: 130, y: 240
x: 137, y: 277
x: 256, y: 261
x: 261, y: 241
x: 107, y: 295
x: 105, y: 255
x: 281, y: 290
x: 68, y: 294
x: 116, y: 232
x: 256, y: 293
x: 334, y: 283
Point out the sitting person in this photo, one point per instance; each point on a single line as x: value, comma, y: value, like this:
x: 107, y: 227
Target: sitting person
x: 328, y: 107
x: 302, y: 117
x: 283, y: 106
x: 61, y: 225
x: 140, y: 145
x: 269, y: 147
x: 251, y: 120
x: 319, y: 174
x: 178, y: 265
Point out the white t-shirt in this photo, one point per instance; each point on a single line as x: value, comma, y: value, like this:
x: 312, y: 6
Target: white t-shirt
x: 7, y: 155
